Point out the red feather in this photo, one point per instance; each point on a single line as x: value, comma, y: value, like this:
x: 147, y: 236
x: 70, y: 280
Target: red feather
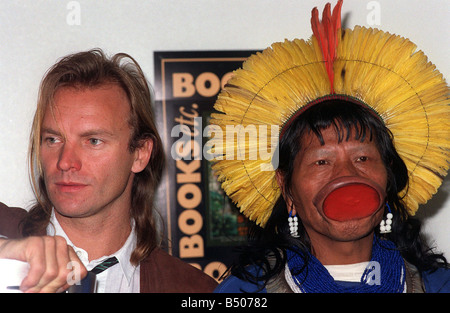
x: 326, y: 33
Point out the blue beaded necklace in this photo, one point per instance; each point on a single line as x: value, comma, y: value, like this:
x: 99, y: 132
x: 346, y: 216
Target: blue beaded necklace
x: 386, y: 277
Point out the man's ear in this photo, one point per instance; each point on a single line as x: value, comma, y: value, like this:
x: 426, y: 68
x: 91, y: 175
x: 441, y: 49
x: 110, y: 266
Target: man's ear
x: 142, y: 156
x: 287, y: 199
x: 280, y: 181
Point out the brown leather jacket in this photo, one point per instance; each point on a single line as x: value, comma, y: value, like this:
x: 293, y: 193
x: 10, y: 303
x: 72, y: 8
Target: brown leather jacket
x: 160, y: 272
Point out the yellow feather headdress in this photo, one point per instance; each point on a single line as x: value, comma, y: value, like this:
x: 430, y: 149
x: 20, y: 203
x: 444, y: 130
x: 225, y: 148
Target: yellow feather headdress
x: 382, y: 70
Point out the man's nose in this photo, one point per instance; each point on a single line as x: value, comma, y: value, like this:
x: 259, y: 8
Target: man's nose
x: 345, y: 168
x: 69, y: 158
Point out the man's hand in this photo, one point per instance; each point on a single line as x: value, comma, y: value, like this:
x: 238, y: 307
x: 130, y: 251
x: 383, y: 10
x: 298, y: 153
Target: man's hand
x: 48, y: 257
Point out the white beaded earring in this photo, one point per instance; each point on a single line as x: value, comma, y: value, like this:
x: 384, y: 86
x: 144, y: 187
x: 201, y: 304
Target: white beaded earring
x: 385, y: 226
x: 293, y: 225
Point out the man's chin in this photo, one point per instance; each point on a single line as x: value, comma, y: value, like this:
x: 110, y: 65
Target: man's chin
x: 351, y: 230
x: 71, y: 210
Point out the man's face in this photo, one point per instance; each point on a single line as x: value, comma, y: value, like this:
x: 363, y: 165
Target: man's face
x: 316, y: 165
x: 84, y: 152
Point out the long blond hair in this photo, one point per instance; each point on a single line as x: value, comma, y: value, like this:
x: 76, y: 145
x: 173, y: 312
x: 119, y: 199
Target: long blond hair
x: 90, y: 69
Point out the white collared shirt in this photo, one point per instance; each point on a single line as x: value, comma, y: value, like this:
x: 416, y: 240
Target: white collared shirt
x: 122, y: 277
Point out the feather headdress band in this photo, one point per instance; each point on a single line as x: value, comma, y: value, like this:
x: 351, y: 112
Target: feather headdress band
x: 375, y: 68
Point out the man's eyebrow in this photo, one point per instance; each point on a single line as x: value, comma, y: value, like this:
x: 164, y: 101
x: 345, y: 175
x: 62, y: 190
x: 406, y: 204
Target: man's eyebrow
x: 50, y: 131
x: 87, y: 133
x: 96, y: 132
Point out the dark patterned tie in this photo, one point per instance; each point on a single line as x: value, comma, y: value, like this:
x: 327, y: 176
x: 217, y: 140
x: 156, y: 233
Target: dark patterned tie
x: 104, y: 265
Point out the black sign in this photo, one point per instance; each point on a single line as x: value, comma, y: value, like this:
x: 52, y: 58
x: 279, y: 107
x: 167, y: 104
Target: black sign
x: 201, y: 225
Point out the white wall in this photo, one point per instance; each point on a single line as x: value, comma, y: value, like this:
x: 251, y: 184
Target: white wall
x: 35, y: 33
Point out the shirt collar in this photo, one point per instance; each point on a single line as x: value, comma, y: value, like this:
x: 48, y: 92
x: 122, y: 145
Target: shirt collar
x: 123, y: 254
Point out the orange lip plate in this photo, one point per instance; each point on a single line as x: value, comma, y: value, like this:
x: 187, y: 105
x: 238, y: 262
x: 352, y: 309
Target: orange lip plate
x: 350, y: 202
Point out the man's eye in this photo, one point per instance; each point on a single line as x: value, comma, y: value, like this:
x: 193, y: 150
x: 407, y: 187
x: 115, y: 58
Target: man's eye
x: 95, y: 141
x: 362, y: 159
x: 51, y: 140
x: 321, y: 162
